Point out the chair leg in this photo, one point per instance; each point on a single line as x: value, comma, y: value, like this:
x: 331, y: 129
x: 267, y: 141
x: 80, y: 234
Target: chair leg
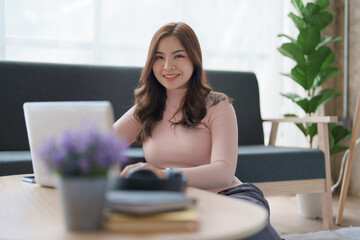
x: 323, y: 135
x: 326, y: 199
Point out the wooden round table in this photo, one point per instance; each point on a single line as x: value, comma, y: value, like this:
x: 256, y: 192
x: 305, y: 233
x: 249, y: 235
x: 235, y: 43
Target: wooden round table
x: 29, y: 211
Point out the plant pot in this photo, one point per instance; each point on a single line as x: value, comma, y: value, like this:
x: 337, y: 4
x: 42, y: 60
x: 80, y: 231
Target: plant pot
x: 309, y: 205
x: 82, y: 201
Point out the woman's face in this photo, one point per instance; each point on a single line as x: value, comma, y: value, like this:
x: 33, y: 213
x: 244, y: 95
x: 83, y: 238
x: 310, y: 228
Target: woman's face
x: 172, y: 66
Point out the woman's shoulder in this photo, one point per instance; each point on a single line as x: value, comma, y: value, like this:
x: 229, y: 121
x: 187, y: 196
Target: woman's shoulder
x: 219, y: 108
x: 214, y: 98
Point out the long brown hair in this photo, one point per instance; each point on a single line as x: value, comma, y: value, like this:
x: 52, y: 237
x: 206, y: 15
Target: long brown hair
x: 150, y: 96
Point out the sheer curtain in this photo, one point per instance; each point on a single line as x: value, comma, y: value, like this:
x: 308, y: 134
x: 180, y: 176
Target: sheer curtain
x: 239, y: 35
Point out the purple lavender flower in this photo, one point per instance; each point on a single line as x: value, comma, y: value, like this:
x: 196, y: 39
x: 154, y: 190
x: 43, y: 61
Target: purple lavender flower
x: 83, y: 152
x: 84, y: 164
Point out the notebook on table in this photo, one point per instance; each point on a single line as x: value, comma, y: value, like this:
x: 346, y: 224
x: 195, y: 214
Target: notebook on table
x: 50, y: 119
x: 143, y: 202
x: 186, y: 220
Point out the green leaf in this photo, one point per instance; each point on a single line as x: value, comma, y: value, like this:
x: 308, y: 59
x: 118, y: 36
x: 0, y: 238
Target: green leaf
x: 312, y: 129
x: 310, y: 10
x: 326, y: 39
x: 292, y: 51
x: 297, y: 77
x: 336, y: 134
x: 293, y: 96
x: 299, y: 22
x: 323, y: 56
x: 299, y: 6
x: 322, y: 4
x: 324, y: 75
x: 298, y: 74
x: 321, y: 20
x: 339, y: 133
x: 309, y: 104
x: 325, y: 95
x: 288, y: 37
x: 290, y: 115
x: 302, y: 128
x: 289, y: 75
x: 331, y: 126
x: 337, y: 148
x: 305, y: 74
x: 308, y: 39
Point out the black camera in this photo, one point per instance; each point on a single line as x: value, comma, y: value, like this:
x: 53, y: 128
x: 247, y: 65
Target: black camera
x: 145, y: 179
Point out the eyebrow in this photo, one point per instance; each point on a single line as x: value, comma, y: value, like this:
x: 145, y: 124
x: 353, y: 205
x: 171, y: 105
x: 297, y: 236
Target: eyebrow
x: 174, y: 52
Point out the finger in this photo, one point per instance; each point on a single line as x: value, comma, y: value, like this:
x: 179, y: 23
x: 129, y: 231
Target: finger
x: 125, y: 171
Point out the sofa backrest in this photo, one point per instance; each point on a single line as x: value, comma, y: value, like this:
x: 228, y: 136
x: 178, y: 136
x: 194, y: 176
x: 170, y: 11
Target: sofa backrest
x: 25, y: 81
x: 243, y: 88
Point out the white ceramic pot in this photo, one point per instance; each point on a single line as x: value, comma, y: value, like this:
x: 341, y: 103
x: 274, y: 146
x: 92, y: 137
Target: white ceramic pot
x: 82, y: 202
x: 309, y: 205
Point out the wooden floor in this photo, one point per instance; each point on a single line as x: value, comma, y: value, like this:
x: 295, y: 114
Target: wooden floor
x: 285, y: 216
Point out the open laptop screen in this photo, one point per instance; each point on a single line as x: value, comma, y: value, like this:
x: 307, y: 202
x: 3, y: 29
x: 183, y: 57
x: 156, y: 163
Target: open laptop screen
x: 49, y: 119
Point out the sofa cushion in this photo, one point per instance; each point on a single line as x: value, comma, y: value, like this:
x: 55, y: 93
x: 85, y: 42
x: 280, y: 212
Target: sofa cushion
x: 259, y: 163
x: 19, y: 162
x: 256, y: 163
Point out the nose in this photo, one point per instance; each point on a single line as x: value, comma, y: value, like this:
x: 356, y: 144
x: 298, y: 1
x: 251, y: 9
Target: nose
x: 168, y: 64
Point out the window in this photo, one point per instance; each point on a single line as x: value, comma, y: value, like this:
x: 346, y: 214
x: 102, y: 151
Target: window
x: 238, y: 35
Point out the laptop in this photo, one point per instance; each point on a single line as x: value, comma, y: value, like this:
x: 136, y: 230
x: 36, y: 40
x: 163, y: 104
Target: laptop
x: 49, y: 119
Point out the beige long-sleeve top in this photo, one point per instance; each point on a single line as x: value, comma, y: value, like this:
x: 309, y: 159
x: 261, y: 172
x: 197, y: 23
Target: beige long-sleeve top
x: 207, y: 154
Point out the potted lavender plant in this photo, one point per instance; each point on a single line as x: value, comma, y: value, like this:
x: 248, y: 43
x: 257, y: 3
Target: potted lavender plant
x: 81, y: 159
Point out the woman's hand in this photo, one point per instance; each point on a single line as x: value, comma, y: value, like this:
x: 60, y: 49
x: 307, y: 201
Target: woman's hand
x: 159, y: 172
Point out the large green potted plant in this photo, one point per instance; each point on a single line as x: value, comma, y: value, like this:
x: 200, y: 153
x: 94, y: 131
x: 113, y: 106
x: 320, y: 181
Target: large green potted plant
x: 314, y: 65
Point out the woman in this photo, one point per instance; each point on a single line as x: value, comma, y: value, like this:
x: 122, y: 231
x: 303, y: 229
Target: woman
x: 182, y: 123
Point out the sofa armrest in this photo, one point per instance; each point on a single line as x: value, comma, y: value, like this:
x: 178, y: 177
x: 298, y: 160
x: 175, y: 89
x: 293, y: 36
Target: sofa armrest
x: 322, y: 119
x: 275, y: 123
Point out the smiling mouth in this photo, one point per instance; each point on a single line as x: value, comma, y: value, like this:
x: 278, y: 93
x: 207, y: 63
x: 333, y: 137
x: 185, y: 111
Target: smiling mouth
x: 171, y: 77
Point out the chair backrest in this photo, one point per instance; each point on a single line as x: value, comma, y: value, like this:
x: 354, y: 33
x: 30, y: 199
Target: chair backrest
x: 25, y: 82
x: 243, y: 88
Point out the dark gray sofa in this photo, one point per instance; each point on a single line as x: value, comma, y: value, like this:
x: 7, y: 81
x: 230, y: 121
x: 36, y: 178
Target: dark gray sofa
x: 23, y: 81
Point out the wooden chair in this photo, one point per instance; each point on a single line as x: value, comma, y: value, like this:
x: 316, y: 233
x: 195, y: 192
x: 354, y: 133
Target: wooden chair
x: 316, y: 185
x: 348, y: 166
x: 275, y: 170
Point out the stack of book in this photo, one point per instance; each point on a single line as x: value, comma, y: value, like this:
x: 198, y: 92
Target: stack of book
x: 150, y: 211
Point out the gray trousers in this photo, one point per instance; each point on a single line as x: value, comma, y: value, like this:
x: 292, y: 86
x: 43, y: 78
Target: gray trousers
x: 251, y: 193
